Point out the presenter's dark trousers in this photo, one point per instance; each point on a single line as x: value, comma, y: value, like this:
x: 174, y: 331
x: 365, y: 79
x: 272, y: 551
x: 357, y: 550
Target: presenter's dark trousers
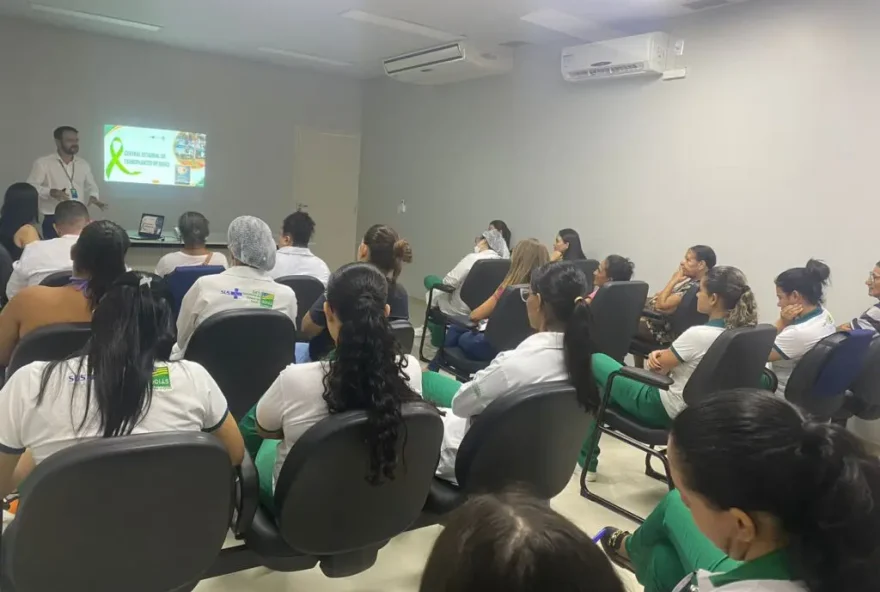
x: 48, y: 228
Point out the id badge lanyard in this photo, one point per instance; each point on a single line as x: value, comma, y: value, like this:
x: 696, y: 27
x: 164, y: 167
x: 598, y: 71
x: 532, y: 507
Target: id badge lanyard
x: 74, y: 194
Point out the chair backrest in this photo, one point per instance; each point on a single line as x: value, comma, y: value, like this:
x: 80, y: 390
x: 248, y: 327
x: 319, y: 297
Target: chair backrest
x: 57, y: 279
x: 865, y: 402
x: 404, y: 333
x: 244, y: 350
x: 531, y: 437
x: 589, y: 267
x: 5, y: 271
x: 49, y: 343
x: 151, y: 511
x: 329, y: 512
x: 509, y: 324
x: 820, y: 379
x: 735, y: 360
x: 307, y: 289
x: 617, y: 308
x: 482, y: 280
x: 181, y: 279
x: 686, y: 314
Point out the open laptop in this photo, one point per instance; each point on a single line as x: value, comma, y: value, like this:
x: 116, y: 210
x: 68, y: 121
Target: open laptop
x: 150, y: 227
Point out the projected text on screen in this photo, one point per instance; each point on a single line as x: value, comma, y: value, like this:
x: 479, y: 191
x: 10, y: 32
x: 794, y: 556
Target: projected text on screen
x: 154, y: 156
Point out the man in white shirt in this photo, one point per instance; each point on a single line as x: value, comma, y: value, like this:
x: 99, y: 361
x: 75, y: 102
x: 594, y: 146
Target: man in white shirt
x: 247, y: 284
x: 61, y: 176
x: 294, y: 257
x: 40, y: 259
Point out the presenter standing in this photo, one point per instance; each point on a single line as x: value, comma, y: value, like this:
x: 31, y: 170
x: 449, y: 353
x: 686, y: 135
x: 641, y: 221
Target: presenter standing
x: 61, y: 176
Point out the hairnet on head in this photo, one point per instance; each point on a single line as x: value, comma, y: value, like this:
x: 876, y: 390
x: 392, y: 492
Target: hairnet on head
x: 251, y: 242
x: 496, y: 242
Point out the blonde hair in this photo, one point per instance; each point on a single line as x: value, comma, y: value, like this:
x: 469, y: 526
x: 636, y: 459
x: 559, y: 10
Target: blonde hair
x: 730, y: 284
x: 528, y: 255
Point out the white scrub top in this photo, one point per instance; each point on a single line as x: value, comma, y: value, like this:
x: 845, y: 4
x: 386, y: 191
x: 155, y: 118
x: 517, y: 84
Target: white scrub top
x: 769, y: 573
x: 536, y: 360
x: 689, y: 348
x: 452, y: 304
x: 799, y: 338
x: 295, y: 402
x: 299, y: 261
x: 172, y: 261
x: 185, y: 399
x: 237, y: 287
x: 39, y: 260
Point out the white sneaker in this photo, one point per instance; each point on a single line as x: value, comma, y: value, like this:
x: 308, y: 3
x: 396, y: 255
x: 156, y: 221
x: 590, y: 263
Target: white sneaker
x: 592, y: 477
x: 417, y: 332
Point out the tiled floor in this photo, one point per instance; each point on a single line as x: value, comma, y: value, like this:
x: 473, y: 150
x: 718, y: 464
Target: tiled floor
x: 400, y: 563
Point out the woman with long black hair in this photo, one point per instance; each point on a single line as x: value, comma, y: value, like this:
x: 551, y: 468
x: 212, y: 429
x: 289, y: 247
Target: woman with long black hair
x: 766, y: 501
x: 367, y: 372
x: 18, y: 218
x: 121, y: 383
x: 567, y: 246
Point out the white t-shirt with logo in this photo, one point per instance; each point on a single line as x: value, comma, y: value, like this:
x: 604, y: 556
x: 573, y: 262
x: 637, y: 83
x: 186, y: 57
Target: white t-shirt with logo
x: 295, y: 402
x: 799, y: 338
x: 185, y: 399
x: 689, y: 348
x: 172, y: 261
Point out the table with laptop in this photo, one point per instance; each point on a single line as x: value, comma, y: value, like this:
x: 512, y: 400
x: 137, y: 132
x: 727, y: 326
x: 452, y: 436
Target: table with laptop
x: 151, y: 241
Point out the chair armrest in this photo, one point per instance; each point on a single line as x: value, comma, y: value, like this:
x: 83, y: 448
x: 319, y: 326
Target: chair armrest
x: 661, y: 381
x: 653, y: 314
x: 443, y: 288
x: 769, y: 380
x: 247, y: 495
x: 461, y: 321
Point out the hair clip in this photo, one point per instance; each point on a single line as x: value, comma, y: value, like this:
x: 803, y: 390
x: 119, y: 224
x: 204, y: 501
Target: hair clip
x: 145, y: 281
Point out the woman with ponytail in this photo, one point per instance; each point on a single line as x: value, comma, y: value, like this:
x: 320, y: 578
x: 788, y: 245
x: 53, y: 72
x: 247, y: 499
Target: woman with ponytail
x: 561, y: 349
x: 121, y: 383
x: 766, y: 501
x: 727, y: 300
x: 98, y: 259
x: 384, y: 248
x: 367, y: 372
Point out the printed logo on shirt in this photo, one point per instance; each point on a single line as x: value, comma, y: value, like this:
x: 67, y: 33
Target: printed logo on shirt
x: 161, y: 378
x: 74, y: 378
x: 266, y: 300
x: 261, y: 299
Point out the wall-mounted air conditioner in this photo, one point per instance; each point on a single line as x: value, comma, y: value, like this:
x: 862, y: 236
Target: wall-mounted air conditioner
x: 627, y: 56
x: 452, y: 62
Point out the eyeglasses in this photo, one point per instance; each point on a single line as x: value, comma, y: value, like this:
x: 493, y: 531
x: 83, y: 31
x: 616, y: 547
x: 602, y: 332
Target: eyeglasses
x: 872, y: 277
x: 524, y: 294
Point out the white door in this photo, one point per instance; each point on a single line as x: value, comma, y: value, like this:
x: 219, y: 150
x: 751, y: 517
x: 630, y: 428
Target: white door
x: 326, y: 169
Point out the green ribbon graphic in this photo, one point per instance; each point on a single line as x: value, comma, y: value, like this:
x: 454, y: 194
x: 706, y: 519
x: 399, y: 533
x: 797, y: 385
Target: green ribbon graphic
x: 115, y: 155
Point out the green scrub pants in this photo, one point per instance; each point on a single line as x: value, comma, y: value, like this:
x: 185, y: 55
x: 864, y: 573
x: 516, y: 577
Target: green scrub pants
x: 439, y: 389
x: 630, y: 396
x: 669, y: 546
x: 435, y: 329
x: 264, y: 453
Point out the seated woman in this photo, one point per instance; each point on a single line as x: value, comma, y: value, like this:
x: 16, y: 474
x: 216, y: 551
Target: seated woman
x: 98, y: 259
x: 122, y: 383
x: 501, y: 226
x: 614, y: 268
x: 515, y: 543
x: 560, y: 350
x: 528, y: 256
x: 727, y: 300
x: 567, y: 246
x: 384, y: 248
x: 697, y: 262
x: 368, y: 372
x: 18, y: 218
x: 802, y: 321
x: 870, y: 319
x: 247, y: 284
x: 194, y: 231
x: 766, y: 501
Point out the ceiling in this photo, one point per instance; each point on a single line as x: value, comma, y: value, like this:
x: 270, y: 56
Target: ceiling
x: 315, y: 27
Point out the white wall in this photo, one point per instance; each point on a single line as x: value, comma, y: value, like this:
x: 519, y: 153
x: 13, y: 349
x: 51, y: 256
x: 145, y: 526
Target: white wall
x: 248, y: 110
x: 767, y: 152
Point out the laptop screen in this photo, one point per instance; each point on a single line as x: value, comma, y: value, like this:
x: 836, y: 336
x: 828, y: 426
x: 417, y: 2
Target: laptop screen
x: 151, y: 225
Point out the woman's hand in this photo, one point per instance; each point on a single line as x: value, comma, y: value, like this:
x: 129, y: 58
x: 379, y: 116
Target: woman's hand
x: 790, y: 313
x: 678, y: 277
x: 654, y: 361
x: 556, y: 256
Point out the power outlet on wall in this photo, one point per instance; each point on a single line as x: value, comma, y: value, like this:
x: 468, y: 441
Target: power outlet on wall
x: 401, y: 207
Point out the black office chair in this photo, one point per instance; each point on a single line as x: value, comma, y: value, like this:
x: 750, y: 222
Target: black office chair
x: 182, y: 278
x: 404, y: 333
x: 149, y: 511
x: 507, y: 327
x: 481, y: 282
x: 307, y: 289
x: 327, y: 511
x: 820, y: 380
x: 589, y: 267
x: 864, y: 399
x: 49, y: 343
x: 530, y: 439
x: 735, y: 360
x: 57, y: 279
x: 5, y: 273
x: 685, y: 316
x: 244, y: 350
x: 617, y: 308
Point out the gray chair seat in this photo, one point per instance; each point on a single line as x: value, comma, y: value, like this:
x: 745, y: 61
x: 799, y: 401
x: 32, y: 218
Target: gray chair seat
x: 454, y: 357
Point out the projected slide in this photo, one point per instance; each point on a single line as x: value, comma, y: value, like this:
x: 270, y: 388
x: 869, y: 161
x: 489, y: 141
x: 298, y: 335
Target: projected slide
x: 154, y: 156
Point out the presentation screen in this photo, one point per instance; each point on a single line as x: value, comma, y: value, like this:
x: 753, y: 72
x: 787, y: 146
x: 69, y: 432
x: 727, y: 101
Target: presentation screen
x: 154, y: 156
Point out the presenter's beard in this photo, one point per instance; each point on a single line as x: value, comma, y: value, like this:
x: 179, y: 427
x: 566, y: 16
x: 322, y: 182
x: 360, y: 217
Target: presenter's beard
x: 73, y: 149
